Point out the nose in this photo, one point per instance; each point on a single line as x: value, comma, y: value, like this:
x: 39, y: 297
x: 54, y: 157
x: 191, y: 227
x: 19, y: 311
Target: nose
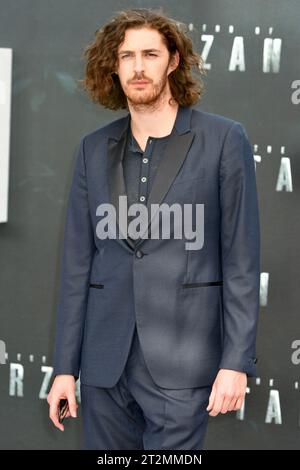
x: 138, y: 64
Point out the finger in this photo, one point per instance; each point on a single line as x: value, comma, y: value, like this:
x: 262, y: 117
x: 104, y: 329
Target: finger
x: 225, y: 405
x: 239, y: 403
x: 53, y: 414
x: 211, y: 399
x: 72, y: 404
x: 232, y: 404
x: 217, y: 404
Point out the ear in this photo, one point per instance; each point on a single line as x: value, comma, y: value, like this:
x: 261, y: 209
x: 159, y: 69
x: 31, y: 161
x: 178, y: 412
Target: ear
x: 174, y: 62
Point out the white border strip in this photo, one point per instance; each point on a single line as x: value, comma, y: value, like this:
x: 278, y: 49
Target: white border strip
x: 5, y: 111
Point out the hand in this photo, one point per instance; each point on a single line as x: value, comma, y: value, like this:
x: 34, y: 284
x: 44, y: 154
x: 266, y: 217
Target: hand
x: 63, y: 387
x: 228, y: 392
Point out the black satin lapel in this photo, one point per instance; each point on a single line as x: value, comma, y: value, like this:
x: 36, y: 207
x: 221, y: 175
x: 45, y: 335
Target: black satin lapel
x: 175, y: 153
x: 116, y: 182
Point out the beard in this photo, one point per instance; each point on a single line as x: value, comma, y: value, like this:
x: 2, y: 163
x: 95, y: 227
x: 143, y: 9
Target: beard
x: 151, y: 96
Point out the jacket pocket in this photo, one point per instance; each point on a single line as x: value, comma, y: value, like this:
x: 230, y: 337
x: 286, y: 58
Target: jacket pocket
x: 98, y: 286
x: 202, y: 284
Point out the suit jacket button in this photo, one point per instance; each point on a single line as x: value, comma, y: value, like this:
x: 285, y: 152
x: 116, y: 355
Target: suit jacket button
x: 255, y: 360
x: 139, y: 254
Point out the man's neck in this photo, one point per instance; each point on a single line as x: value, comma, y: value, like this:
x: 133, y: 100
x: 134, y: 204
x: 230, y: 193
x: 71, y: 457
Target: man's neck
x: 156, y: 122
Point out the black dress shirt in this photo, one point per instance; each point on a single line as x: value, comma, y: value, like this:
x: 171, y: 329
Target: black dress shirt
x: 140, y: 167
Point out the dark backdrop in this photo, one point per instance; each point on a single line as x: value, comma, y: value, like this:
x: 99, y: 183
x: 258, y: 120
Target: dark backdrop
x: 50, y: 115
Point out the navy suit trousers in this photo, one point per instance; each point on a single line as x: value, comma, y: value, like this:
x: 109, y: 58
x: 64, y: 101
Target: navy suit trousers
x: 138, y: 414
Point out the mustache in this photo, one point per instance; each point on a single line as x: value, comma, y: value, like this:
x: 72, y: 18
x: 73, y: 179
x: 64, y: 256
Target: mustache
x: 140, y: 78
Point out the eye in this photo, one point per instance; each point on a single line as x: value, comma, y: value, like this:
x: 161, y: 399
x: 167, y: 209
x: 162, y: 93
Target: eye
x: 147, y: 53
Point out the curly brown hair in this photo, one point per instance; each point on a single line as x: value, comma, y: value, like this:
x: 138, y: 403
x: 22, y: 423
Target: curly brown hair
x: 102, y: 83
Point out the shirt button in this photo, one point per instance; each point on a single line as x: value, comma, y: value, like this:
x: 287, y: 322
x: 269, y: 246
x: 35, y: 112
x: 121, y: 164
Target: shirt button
x: 142, y: 198
x: 139, y: 254
x: 145, y: 160
x: 144, y: 179
x: 150, y: 141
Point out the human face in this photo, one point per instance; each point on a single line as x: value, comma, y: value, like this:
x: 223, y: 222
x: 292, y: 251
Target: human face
x: 144, y: 65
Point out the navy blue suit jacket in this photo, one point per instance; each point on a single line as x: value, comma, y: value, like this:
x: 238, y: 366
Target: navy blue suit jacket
x: 196, y: 311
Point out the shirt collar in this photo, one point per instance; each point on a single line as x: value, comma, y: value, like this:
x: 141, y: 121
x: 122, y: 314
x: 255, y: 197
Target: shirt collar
x: 182, y: 123
x: 133, y: 144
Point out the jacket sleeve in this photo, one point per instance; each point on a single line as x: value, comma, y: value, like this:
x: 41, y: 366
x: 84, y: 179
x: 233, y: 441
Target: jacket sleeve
x: 240, y: 247
x: 78, y: 249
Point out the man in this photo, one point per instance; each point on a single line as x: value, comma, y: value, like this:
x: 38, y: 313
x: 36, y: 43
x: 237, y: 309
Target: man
x: 162, y: 336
